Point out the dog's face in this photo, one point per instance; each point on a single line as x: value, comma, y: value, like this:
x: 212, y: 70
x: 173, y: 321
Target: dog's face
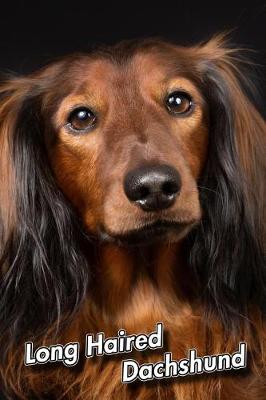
x: 128, y: 143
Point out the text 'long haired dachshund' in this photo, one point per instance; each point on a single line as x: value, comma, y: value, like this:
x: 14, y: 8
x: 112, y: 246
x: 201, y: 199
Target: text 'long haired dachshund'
x: 132, y: 191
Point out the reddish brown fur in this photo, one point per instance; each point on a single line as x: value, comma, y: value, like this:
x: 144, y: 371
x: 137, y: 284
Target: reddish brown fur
x: 135, y: 289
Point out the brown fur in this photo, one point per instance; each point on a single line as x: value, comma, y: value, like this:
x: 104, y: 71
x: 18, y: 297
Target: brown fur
x: 134, y: 288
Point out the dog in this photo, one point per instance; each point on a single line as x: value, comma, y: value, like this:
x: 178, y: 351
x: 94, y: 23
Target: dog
x: 133, y: 192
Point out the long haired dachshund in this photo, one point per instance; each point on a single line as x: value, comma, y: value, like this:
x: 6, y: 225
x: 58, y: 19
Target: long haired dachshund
x: 132, y: 191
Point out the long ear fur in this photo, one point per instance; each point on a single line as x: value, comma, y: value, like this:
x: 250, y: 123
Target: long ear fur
x: 43, y: 271
x: 229, y: 246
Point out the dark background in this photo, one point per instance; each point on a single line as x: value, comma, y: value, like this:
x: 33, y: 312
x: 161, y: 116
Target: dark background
x: 31, y: 34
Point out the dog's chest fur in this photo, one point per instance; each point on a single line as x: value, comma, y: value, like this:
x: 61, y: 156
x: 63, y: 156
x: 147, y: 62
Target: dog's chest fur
x: 136, y: 300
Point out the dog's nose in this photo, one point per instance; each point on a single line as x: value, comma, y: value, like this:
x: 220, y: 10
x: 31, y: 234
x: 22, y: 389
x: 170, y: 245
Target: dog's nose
x: 153, y: 188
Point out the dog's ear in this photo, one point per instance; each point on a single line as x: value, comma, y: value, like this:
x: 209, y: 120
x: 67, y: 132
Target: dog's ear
x: 43, y: 271
x: 229, y: 246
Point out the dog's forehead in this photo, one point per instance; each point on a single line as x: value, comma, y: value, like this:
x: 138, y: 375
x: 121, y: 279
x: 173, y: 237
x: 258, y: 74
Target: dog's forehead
x: 106, y: 80
x: 153, y: 66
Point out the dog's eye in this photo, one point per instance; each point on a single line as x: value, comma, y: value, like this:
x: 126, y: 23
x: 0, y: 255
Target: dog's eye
x: 81, y: 119
x: 178, y: 102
